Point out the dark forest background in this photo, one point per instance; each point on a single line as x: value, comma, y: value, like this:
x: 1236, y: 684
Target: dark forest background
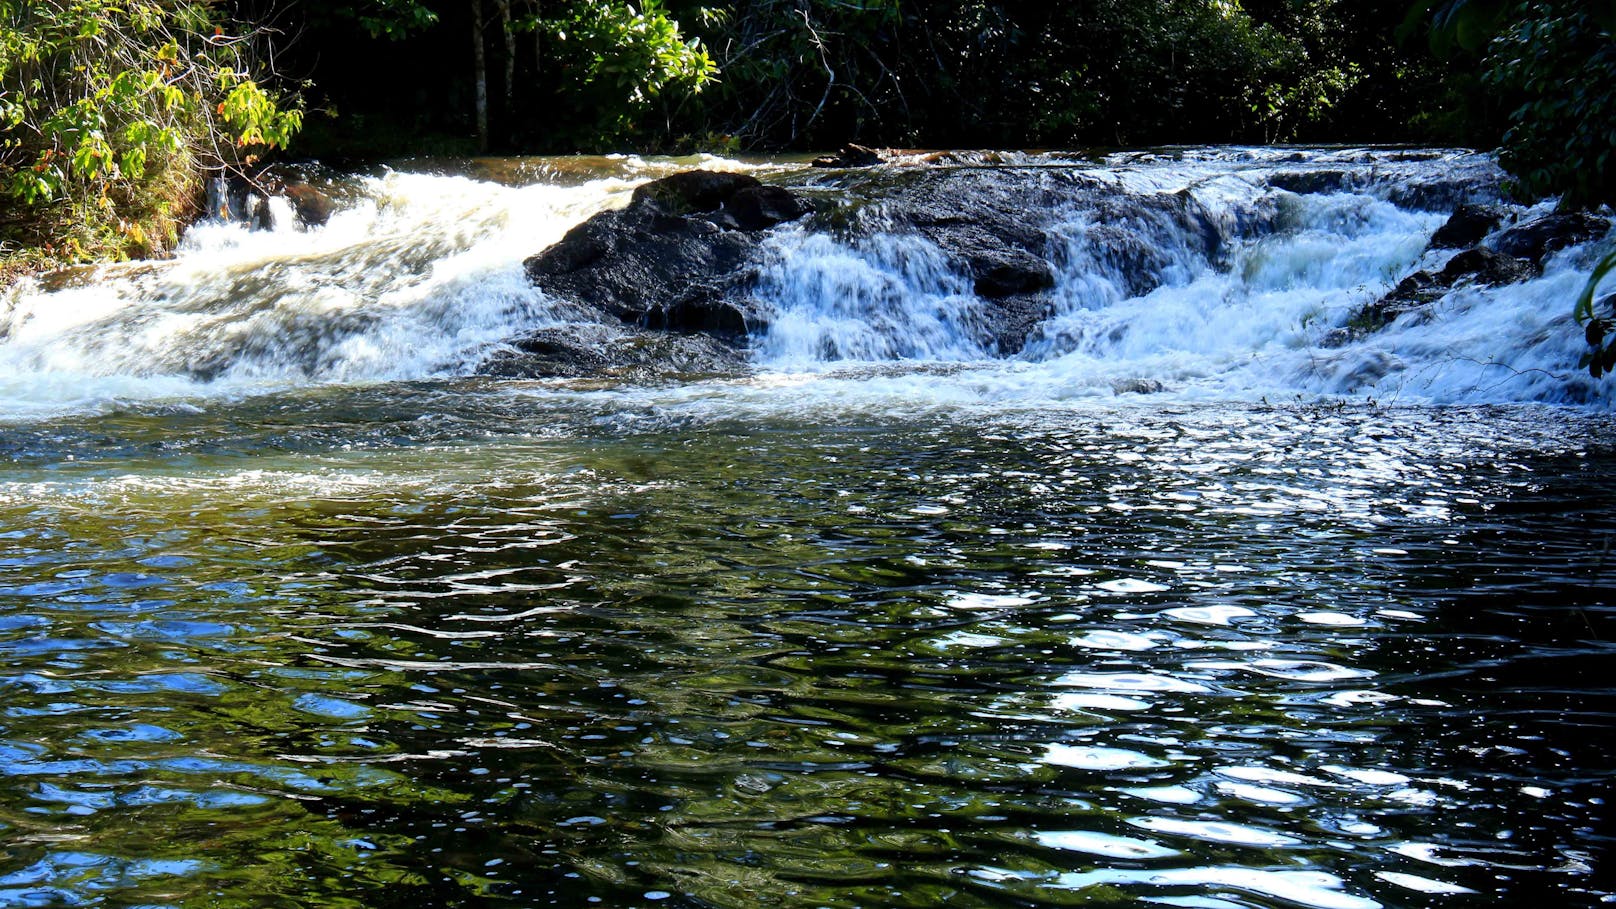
x: 113, y: 113
x: 570, y: 75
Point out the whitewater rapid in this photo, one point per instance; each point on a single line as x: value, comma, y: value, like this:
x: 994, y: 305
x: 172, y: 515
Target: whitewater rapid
x: 418, y: 276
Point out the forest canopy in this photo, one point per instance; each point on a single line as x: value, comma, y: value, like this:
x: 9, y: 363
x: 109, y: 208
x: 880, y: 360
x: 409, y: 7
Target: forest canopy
x: 564, y: 75
x: 112, y: 111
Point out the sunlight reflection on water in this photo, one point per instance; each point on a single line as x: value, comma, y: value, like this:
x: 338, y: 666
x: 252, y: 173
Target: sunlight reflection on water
x: 569, y: 661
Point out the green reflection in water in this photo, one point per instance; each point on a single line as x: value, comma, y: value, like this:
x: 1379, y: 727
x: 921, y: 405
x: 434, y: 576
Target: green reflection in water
x: 768, y: 664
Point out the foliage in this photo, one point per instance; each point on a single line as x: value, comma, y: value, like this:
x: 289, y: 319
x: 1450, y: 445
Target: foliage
x: 548, y: 74
x: 620, y: 60
x: 394, y: 19
x: 107, y: 112
x: 1598, y: 329
x: 640, y: 51
x: 793, y: 69
x: 1557, y: 60
x: 1020, y: 73
x: 771, y: 74
x: 1560, y: 60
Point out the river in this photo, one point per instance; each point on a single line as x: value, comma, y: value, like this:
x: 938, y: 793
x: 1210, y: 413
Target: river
x: 298, y: 610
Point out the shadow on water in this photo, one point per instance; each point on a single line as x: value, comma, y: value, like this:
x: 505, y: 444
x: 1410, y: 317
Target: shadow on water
x: 1206, y: 657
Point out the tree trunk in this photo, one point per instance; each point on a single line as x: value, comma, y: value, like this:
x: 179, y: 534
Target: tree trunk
x: 480, y: 64
x: 508, y: 113
x: 538, y: 42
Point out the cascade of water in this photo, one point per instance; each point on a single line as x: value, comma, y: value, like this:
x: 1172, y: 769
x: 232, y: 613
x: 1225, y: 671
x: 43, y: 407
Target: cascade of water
x: 1207, y: 274
x: 1210, y: 285
x: 885, y: 297
x: 418, y: 277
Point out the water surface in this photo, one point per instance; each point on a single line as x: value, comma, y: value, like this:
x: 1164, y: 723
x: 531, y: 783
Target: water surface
x: 467, y: 643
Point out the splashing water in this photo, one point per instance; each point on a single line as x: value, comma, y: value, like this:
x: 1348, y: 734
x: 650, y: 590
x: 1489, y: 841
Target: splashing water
x: 1197, y: 274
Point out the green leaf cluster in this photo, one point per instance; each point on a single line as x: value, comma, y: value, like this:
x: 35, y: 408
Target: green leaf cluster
x: 1556, y: 60
x: 109, y: 111
x: 620, y: 60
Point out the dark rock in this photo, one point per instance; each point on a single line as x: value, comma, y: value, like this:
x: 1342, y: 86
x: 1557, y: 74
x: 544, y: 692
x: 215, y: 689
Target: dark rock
x: 763, y: 206
x: 1013, y: 320
x: 1485, y: 266
x: 999, y: 273
x: 1137, y: 263
x: 1340, y: 337
x: 1536, y: 239
x: 1137, y: 387
x: 578, y: 250
x: 1425, y: 193
x: 850, y: 155
x: 312, y: 207
x: 1480, y: 265
x: 595, y: 349
x: 992, y: 226
x: 1468, y: 225
x: 1312, y: 182
x: 678, y: 258
x: 237, y: 199
x: 1404, y: 180
x: 572, y: 351
x: 262, y: 217
x: 693, y: 191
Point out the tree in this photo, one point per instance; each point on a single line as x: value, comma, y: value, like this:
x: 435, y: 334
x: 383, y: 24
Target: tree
x: 591, y: 74
x: 1557, y: 59
x: 110, y: 112
x: 1026, y: 72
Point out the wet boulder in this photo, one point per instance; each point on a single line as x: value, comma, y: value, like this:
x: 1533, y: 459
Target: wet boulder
x: 1478, y: 266
x: 235, y: 198
x: 1000, y: 273
x: 692, y: 191
x: 588, y: 349
x: 1537, y: 239
x: 761, y: 207
x: 678, y: 258
x: 1312, y: 182
x: 1485, y: 266
x: 1468, y: 225
x: 1135, y: 262
x: 310, y: 206
x: 1013, y: 319
x: 1137, y: 386
x: 850, y: 155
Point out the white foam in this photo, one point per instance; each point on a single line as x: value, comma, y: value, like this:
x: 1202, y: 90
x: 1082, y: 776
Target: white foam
x: 1315, y: 889
x: 1420, y: 884
x: 1094, y: 757
x: 1105, y: 844
x: 1215, y: 831
x: 420, y: 275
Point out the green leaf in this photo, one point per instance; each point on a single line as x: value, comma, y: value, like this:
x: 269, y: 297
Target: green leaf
x: 1585, y: 301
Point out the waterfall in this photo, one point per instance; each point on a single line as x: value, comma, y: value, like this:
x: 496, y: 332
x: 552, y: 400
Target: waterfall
x: 1204, y: 274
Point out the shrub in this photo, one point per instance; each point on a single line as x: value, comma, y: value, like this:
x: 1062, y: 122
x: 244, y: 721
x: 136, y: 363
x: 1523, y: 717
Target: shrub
x: 110, y: 115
